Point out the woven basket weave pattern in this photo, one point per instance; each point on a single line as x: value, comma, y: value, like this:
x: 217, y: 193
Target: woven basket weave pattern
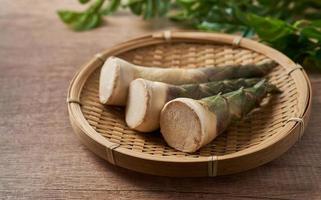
x: 257, y: 127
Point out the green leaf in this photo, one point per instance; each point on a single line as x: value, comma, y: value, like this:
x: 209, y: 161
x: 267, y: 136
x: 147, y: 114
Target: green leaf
x: 215, y: 26
x: 186, y: 2
x: 111, y: 7
x: 316, y: 23
x: 311, y: 32
x: 210, y: 26
x: 178, y: 17
x: 268, y: 29
x: 163, y: 7
x: 80, y: 21
x: 86, y: 20
x: 95, y: 7
x: 136, y: 6
x: 291, y: 26
x: 149, y: 9
x: 83, y: 1
x: 68, y: 16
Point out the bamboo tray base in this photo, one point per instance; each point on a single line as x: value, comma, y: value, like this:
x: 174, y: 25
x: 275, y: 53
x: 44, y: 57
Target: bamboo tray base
x: 264, y: 135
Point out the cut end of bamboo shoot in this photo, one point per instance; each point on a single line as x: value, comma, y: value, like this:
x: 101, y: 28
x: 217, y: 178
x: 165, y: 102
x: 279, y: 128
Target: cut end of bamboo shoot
x: 145, y: 101
x: 138, y: 99
x: 185, y: 124
x: 115, y: 76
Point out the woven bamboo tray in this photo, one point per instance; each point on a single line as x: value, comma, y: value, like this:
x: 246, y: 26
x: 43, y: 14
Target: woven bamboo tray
x: 261, y: 137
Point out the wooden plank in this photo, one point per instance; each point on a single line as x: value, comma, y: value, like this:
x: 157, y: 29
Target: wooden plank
x: 42, y: 159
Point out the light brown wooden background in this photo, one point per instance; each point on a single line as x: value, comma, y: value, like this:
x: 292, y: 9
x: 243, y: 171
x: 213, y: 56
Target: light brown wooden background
x: 40, y: 157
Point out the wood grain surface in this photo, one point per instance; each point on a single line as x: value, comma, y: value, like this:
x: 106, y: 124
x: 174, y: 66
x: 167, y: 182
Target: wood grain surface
x: 41, y: 158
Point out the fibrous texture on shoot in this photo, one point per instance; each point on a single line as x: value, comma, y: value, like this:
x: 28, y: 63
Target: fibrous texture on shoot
x: 187, y: 124
x: 116, y: 75
x: 147, y: 98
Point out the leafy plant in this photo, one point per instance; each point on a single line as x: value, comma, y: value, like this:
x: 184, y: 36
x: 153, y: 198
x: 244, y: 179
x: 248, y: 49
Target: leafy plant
x: 291, y: 26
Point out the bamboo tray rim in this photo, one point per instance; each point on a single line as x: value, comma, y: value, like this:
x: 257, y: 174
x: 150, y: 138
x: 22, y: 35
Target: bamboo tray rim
x: 82, y: 75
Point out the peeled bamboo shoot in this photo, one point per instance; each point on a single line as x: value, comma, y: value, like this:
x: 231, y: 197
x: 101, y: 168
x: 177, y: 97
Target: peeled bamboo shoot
x: 147, y: 98
x: 116, y: 75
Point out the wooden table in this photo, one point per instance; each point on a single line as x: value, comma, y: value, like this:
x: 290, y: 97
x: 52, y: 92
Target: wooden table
x: 40, y: 157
